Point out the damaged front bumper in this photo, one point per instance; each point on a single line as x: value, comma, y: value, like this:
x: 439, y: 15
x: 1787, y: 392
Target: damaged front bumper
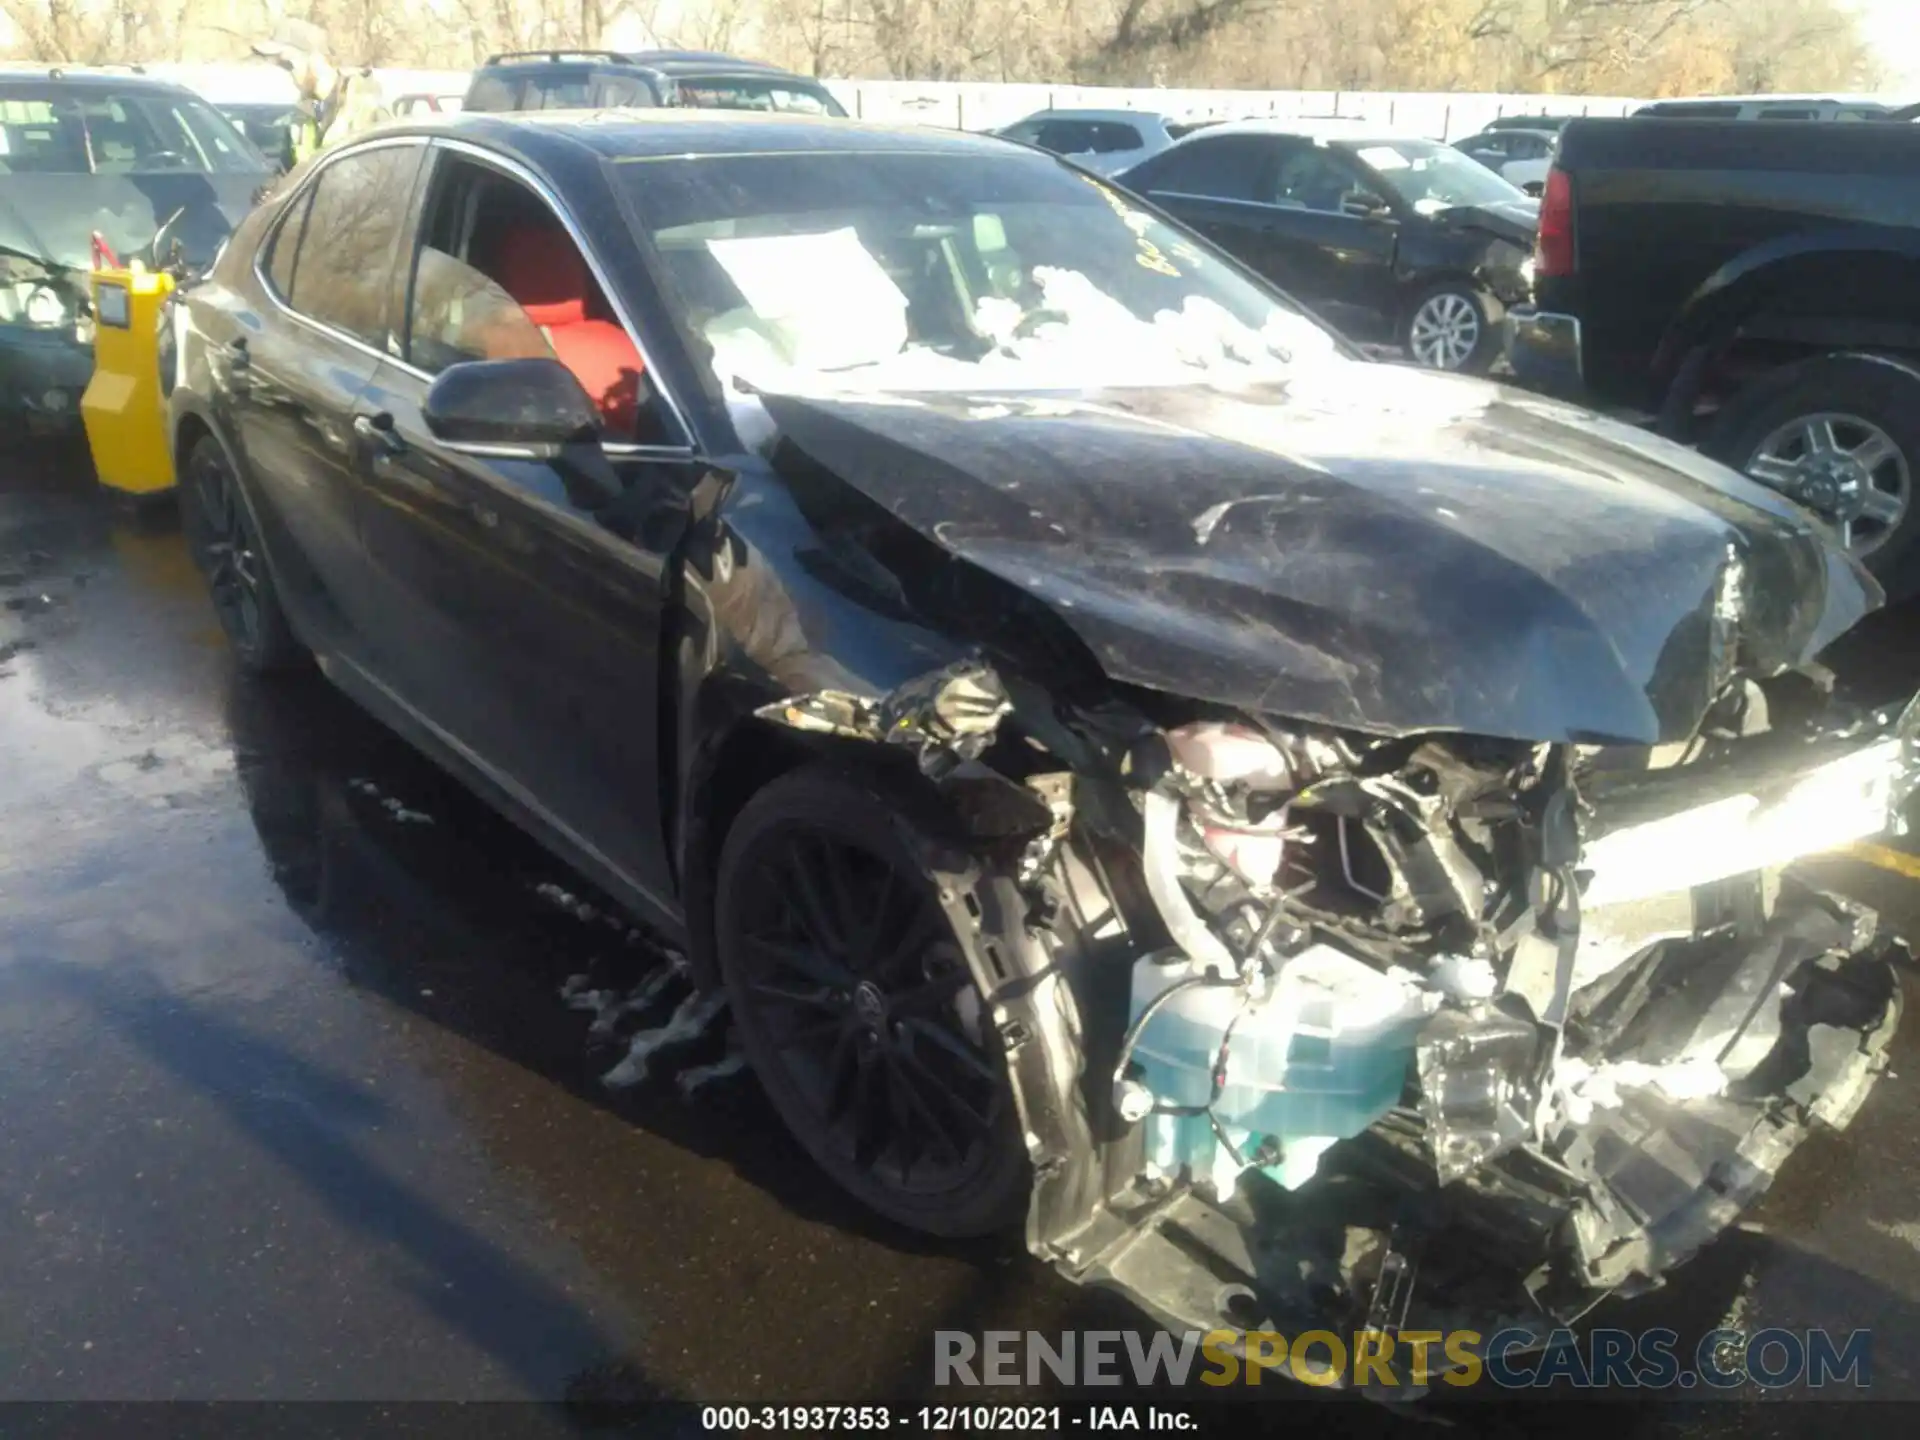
x: 1312, y: 1032
x: 43, y: 376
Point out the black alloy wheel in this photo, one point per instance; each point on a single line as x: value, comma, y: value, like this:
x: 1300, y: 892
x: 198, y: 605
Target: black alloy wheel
x: 859, y: 1012
x: 220, y: 536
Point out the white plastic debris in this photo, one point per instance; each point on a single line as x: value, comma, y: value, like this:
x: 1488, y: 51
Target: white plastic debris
x: 693, y: 1016
x: 701, y: 1075
x: 1584, y: 1087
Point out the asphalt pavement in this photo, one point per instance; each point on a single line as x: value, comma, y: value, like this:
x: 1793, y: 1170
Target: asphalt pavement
x: 319, y: 1082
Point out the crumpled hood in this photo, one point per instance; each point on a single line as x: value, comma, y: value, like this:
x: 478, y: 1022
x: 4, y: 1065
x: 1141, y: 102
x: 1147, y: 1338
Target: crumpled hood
x: 1369, y: 546
x: 54, y: 216
x: 1516, y: 221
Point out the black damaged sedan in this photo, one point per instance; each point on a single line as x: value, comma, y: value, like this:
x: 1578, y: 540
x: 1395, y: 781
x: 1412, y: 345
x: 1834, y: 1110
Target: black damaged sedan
x: 1305, y: 838
x: 1392, y: 239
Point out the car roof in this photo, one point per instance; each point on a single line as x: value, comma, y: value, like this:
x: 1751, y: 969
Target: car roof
x: 89, y: 77
x: 1322, y: 130
x: 1810, y: 99
x: 1123, y: 115
x: 672, y: 63
x: 543, y: 137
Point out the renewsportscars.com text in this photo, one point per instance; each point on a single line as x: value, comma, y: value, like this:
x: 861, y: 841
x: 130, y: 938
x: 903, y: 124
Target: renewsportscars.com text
x: 1511, y: 1359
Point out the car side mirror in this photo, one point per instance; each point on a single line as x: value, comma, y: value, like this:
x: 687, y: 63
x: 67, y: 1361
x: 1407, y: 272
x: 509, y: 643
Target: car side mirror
x: 532, y: 409
x: 1362, y: 206
x: 529, y: 407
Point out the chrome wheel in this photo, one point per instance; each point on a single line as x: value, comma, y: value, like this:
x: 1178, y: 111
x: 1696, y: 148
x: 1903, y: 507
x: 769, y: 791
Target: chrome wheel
x: 1841, y: 467
x: 1445, y: 331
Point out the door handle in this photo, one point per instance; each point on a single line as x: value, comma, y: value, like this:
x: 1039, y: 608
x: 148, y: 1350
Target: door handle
x: 377, y: 431
x: 239, y: 358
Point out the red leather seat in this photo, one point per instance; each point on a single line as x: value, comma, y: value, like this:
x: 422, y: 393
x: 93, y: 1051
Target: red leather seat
x: 541, y: 269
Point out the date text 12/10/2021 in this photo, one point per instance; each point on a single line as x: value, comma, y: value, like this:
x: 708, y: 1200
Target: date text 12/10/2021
x: 943, y: 1419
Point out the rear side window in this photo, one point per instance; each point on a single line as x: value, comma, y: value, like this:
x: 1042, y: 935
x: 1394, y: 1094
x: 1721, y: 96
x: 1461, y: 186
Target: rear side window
x: 1780, y: 112
x: 492, y: 92
x: 342, y: 274
x: 753, y: 93
x: 1223, y: 167
x: 1082, y: 137
x: 286, y: 246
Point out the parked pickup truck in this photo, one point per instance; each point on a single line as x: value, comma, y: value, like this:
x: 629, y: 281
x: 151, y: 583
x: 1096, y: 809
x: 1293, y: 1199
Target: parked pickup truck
x: 1754, y: 290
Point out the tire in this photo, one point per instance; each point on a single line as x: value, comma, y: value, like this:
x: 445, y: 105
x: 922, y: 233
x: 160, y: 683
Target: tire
x: 1859, y: 397
x: 826, y: 1025
x: 1450, y: 326
x: 226, y: 550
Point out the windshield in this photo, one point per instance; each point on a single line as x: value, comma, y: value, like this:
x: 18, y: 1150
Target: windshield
x: 1432, y: 177
x: 70, y: 130
x: 753, y: 93
x: 930, y: 271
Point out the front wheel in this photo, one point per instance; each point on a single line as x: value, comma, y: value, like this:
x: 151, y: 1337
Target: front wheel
x: 1450, y: 327
x: 226, y: 550
x: 859, y: 1012
x: 1840, y: 435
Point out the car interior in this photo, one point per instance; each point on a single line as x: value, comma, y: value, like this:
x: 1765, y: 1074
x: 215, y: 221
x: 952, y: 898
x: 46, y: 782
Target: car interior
x: 501, y: 278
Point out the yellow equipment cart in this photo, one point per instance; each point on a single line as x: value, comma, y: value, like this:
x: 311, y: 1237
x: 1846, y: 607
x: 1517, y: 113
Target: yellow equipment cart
x: 124, y: 410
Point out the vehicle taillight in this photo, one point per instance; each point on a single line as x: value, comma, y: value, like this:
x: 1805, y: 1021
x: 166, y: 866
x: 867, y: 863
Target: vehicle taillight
x: 1553, y: 249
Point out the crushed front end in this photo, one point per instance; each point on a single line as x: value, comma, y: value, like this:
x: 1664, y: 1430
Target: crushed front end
x: 1450, y: 1033
x: 1315, y: 1030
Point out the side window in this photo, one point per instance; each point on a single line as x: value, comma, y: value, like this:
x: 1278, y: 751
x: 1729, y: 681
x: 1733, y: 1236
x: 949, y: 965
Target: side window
x: 492, y: 92
x: 1023, y: 132
x: 1780, y: 112
x: 1066, y: 137
x: 1226, y: 167
x: 342, y: 275
x: 286, y: 246
x: 1111, y: 138
x: 1310, y: 178
x: 498, y: 276
x: 613, y: 92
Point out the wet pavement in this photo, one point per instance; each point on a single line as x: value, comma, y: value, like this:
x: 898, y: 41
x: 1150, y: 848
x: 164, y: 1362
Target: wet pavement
x: 318, y: 1081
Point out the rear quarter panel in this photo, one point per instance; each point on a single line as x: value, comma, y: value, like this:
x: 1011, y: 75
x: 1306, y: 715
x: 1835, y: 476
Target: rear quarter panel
x: 1660, y: 205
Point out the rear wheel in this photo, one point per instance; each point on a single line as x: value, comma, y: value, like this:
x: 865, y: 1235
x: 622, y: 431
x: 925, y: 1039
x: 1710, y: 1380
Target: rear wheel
x: 1841, y: 436
x: 859, y: 1012
x: 226, y: 550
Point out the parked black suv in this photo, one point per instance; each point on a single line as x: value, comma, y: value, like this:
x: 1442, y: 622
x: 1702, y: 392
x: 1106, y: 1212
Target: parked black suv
x: 601, y: 79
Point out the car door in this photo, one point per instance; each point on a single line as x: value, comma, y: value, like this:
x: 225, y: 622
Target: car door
x: 1222, y: 186
x: 300, y: 365
x: 526, y: 621
x: 1492, y: 150
x: 1333, y: 238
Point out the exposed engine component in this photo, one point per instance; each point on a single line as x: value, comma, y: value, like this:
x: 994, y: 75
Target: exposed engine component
x: 1542, y: 997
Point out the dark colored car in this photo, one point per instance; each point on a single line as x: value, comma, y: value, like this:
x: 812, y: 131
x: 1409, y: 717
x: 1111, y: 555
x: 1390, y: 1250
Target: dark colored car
x: 85, y: 151
x: 269, y: 127
x: 1765, y: 107
x: 1392, y: 240
x: 601, y: 79
x: 1014, y: 651
x: 1552, y: 123
x: 1751, y: 289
